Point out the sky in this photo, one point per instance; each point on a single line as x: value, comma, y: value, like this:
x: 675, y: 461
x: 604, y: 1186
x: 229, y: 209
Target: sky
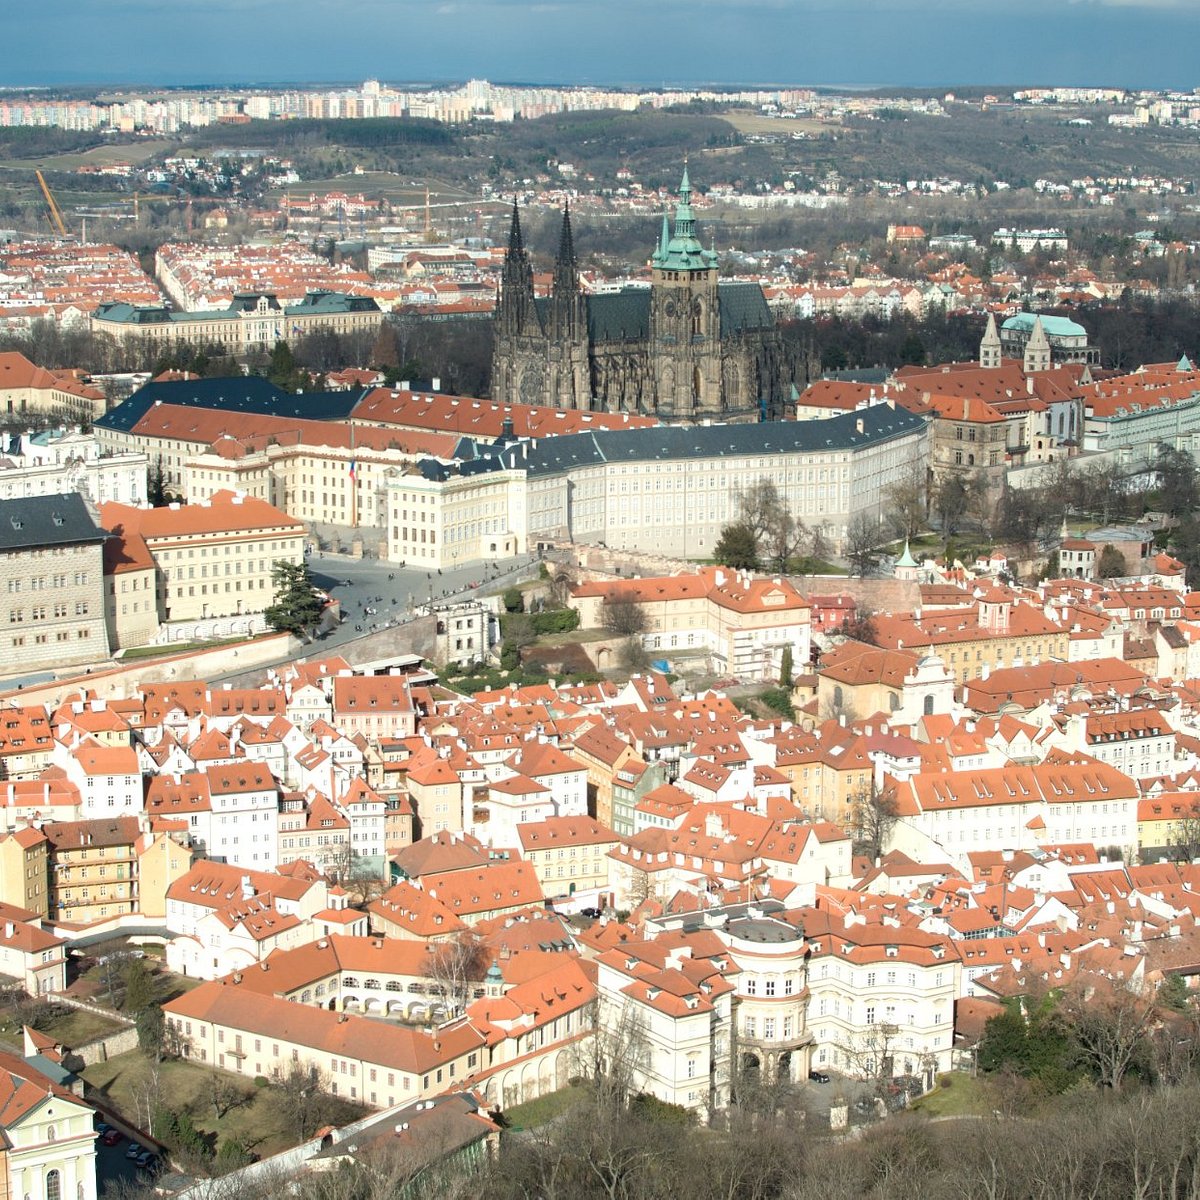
x: 860, y: 43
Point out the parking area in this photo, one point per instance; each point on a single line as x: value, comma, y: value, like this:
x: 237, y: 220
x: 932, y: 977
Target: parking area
x: 112, y: 1167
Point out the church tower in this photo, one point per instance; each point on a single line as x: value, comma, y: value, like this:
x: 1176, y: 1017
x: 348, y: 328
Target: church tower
x: 517, y: 374
x: 989, y: 347
x: 685, y: 320
x: 1037, y: 349
x: 569, y: 373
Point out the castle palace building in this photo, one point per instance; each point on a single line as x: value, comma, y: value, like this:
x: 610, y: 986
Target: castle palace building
x: 688, y: 348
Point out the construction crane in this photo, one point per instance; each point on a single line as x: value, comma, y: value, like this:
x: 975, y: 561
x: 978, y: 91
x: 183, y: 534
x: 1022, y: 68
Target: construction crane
x: 55, y: 215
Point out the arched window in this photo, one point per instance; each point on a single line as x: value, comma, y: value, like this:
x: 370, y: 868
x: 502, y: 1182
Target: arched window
x: 349, y: 981
x: 373, y: 984
x: 53, y: 1185
x: 929, y: 705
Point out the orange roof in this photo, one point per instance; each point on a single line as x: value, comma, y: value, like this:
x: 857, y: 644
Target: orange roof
x: 223, y: 513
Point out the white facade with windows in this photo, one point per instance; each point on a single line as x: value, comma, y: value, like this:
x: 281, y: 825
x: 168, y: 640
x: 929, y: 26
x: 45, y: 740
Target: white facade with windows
x: 881, y: 999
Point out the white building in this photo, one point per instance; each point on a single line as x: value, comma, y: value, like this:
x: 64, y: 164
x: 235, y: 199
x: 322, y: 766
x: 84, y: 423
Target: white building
x: 881, y: 996
x: 58, y: 461
x: 48, y: 1135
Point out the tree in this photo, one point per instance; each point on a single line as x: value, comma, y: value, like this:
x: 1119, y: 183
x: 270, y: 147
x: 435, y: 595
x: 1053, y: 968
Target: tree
x: 386, y: 350
x: 737, y: 547
x: 304, y: 1096
x: 1111, y: 564
x: 1107, y: 1026
x: 455, y: 969
x: 223, y: 1094
x: 1177, y: 484
x: 862, y: 542
x: 873, y: 814
x: 513, y: 600
x: 786, y: 667
x: 784, y: 539
x: 906, y: 503
x: 951, y: 501
x: 518, y: 632
x: 1185, y: 837
x: 297, y: 608
x: 759, y: 506
x: 139, y: 986
x: 634, y: 657
x: 156, y: 491
x: 623, y: 615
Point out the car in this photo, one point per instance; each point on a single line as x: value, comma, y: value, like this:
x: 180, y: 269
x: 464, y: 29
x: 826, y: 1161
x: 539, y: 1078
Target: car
x: 589, y: 912
x: 818, y: 1076
x: 147, y: 1161
x: 111, y: 1137
x: 102, y: 1127
x: 134, y: 1150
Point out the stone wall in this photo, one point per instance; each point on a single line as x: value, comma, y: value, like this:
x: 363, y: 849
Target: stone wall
x: 121, y: 681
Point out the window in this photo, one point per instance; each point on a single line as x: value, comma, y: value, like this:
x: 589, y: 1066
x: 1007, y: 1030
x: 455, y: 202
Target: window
x: 53, y: 1185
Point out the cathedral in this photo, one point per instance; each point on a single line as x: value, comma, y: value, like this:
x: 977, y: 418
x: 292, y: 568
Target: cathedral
x: 688, y: 348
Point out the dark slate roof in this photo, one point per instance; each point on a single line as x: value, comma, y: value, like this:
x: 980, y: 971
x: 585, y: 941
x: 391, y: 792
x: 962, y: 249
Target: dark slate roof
x: 331, y: 302
x: 47, y: 521
x: 313, y: 304
x: 623, y: 315
x: 613, y: 316
x: 743, y: 306
x: 248, y: 302
x: 243, y: 394
x: 132, y: 314
x: 554, y: 455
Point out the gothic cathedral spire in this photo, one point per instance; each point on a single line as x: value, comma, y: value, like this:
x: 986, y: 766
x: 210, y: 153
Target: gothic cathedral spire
x: 516, y: 311
x: 567, y: 308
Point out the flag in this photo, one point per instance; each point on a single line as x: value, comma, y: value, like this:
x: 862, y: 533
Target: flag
x: 353, y: 473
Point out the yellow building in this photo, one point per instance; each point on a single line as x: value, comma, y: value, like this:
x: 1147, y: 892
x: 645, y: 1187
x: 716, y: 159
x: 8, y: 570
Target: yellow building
x: 568, y: 854
x: 993, y: 632
x: 24, y: 870
x: 93, y: 869
x: 214, y: 560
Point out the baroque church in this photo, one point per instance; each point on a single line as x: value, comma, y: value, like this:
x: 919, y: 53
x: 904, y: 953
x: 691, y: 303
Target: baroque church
x: 688, y: 348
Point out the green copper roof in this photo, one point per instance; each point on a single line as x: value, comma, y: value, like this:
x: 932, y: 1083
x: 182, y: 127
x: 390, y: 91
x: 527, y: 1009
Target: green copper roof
x: 906, y: 559
x: 1053, y: 326
x: 683, y: 251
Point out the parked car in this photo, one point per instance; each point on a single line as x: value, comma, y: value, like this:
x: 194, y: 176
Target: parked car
x: 111, y: 1137
x: 134, y: 1150
x: 818, y: 1076
x: 102, y: 1127
x: 147, y: 1160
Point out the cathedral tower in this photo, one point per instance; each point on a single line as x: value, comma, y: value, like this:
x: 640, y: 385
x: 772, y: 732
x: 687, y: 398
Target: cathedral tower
x: 569, y: 375
x: 685, y: 320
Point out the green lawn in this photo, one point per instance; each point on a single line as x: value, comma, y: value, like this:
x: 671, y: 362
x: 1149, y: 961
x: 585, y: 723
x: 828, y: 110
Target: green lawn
x: 77, y: 1027
x: 73, y: 1027
x: 175, y: 648
x: 964, y: 1097
x: 261, y: 1121
x: 537, y: 1112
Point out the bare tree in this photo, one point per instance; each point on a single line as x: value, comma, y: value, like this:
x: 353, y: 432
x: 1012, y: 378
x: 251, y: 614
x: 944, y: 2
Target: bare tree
x: 873, y: 814
x: 863, y: 536
x: 455, y: 968
x: 1107, y: 1023
x: 223, y: 1093
x: 908, y: 503
x: 623, y: 615
x: 871, y: 1053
